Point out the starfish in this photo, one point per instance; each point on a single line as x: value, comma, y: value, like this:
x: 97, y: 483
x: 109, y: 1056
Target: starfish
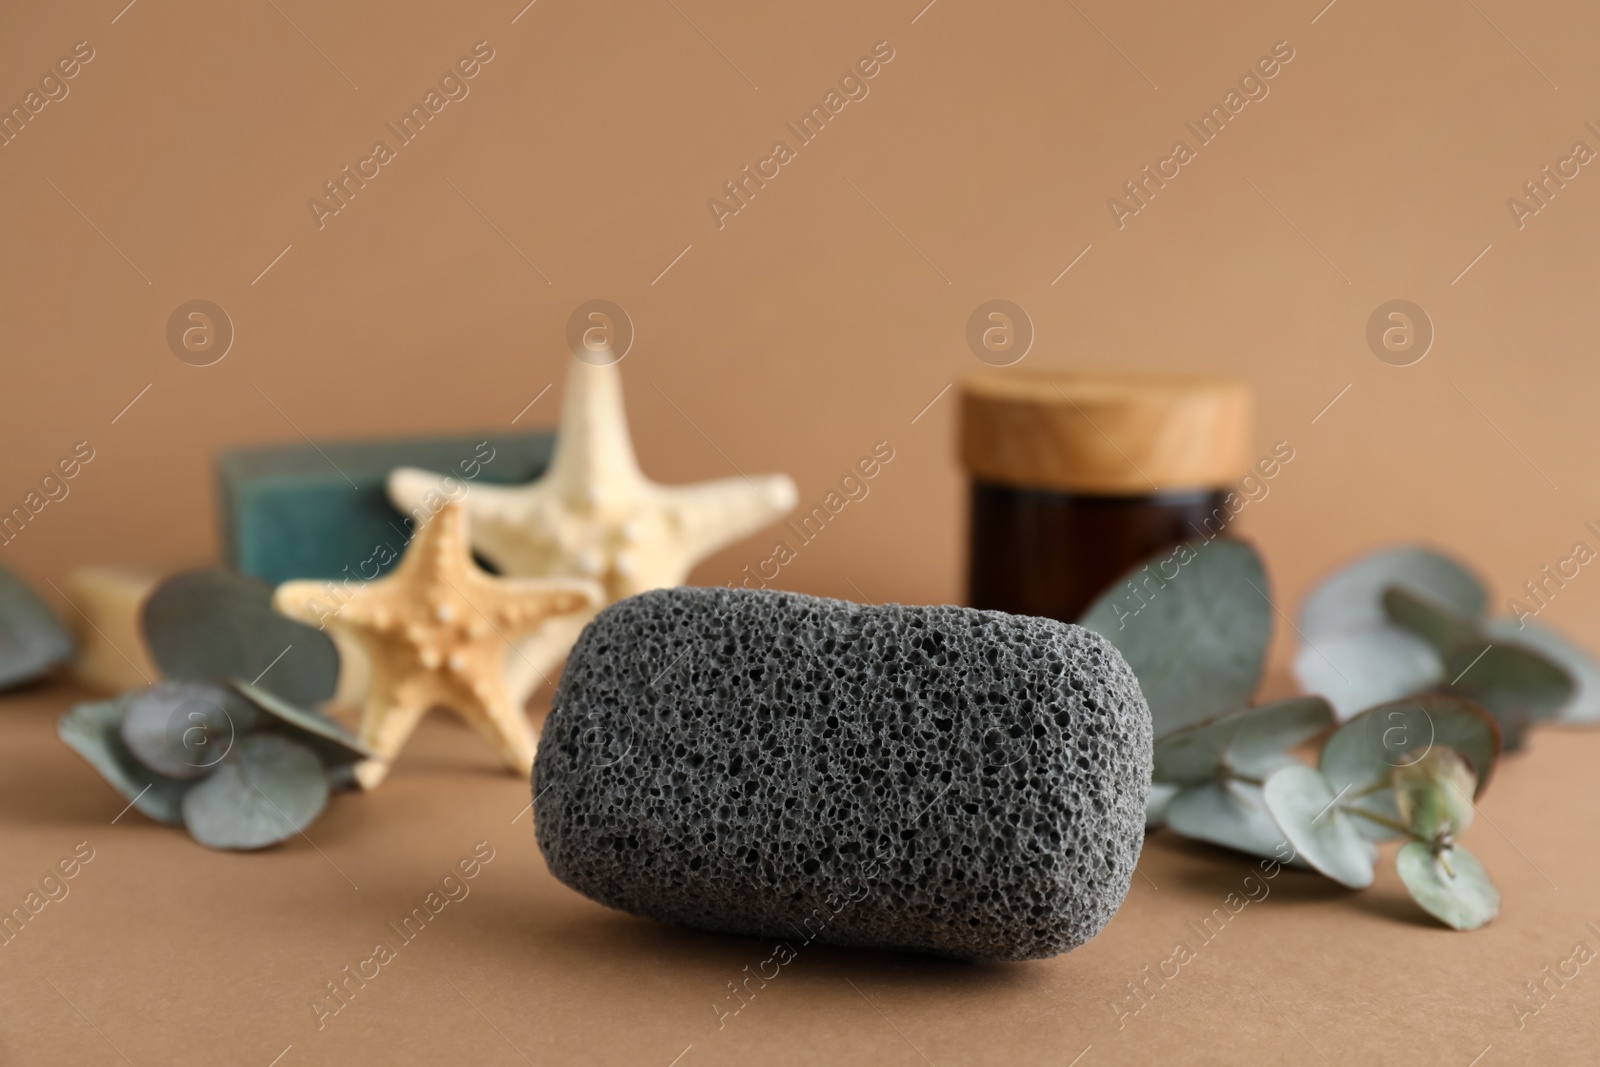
x: 593, y: 514
x: 437, y: 631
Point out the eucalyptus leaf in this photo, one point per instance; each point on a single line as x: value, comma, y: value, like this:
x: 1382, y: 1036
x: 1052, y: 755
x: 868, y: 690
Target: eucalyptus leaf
x: 1451, y: 885
x: 32, y: 639
x: 1441, y: 627
x: 1357, y: 669
x: 93, y: 732
x: 183, y: 729
x: 1194, y: 754
x: 1252, y: 741
x: 1230, y: 814
x: 1351, y: 597
x: 267, y: 790
x: 1306, y: 810
x: 1434, y: 794
x: 1583, y: 707
x: 317, y: 732
x: 1363, y: 753
x: 1155, y: 805
x: 1514, y: 684
x: 1194, y: 626
x: 216, y: 625
x: 1268, y: 731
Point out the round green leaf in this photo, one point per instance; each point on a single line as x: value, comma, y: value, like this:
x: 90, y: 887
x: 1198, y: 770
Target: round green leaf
x: 1268, y: 731
x: 1436, y: 624
x: 1351, y: 597
x: 1230, y: 814
x: 1195, y: 632
x: 1306, y: 810
x: 32, y: 639
x: 210, y: 626
x: 317, y: 732
x: 1193, y: 756
x: 1363, y: 753
x: 267, y: 790
x: 183, y: 729
x: 1512, y: 683
x: 1359, y: 668
x: 1583, y: 707
x: 1434, y: 795
x: 1452, y: 886
x: 1252, y: 741
x: 93, y: 732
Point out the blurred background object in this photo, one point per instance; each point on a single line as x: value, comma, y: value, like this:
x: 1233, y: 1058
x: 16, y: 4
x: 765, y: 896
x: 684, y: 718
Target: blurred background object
x: 1076, y: 478
x: 985, y: 160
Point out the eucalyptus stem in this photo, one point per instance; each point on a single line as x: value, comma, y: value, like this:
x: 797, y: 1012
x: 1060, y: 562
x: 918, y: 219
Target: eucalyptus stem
x: 1441, y: 856
x: 1383, y: 820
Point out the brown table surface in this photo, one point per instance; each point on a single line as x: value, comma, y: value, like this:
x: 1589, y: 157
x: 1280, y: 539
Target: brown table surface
x: 168, y: 953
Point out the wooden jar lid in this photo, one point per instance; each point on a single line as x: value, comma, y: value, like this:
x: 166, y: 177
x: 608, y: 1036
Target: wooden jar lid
x: 1105, y: 434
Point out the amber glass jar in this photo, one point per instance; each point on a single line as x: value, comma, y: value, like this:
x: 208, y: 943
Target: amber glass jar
x: 1076, y: 478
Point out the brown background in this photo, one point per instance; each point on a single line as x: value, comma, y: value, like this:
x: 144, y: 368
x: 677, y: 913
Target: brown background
x: 811, y: 326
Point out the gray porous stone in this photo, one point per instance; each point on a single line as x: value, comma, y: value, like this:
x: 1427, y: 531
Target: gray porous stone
x: 940, y: 779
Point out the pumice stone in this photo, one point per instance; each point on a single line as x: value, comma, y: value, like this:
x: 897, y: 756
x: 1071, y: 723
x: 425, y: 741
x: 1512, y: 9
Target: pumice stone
x: 939, y: 779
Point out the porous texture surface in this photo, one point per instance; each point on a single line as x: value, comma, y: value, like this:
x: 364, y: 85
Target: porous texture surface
x: 940, y: 779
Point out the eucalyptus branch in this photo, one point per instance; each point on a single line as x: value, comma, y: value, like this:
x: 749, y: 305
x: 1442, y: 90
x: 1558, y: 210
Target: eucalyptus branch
x: 1381, y: 820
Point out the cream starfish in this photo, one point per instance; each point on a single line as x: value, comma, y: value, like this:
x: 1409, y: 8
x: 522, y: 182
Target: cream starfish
x: 437, y: 631
x: 595, y: 515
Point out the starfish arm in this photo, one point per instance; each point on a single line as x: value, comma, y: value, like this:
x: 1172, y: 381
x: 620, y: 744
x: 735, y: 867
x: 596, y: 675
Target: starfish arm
x: 712, y: 515
x: 421, y: 494
x: 517, y: 606
x: 594, y: 451
x: 309, y: 602
x: 390, y: 718
x: 408, y: 488
x: 507, y: 729
x: 503, y: 516
x: 534, y: 658
x: 538, y: 619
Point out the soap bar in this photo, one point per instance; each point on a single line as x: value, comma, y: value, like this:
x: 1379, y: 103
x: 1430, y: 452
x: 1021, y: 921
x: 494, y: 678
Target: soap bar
x: 945, y: 780
x: 32, y: 639
x: 320, y: 511
x: 111, y: 654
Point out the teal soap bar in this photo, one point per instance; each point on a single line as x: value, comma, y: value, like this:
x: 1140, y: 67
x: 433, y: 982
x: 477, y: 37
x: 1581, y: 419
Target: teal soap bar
x: 320, y: 511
